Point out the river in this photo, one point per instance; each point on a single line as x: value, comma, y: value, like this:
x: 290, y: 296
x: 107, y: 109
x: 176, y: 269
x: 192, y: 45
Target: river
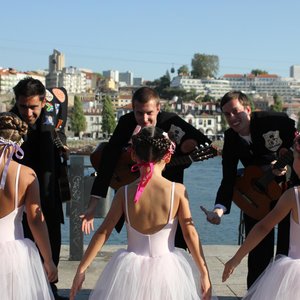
x: 202, y: 180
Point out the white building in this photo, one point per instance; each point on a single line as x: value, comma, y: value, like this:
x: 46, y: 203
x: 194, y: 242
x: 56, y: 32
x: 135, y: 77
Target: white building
x: 10, y: 77
x: 215, y: 88
x: 111, y: 74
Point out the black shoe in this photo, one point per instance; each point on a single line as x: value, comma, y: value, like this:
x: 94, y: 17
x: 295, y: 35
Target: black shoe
x: 58, y: 297
x: 55, y: 294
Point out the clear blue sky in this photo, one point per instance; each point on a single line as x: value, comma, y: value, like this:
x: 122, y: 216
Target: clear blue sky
x: 149, y: 37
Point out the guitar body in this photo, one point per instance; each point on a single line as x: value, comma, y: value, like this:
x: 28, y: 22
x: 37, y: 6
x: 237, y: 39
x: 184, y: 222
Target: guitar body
x: 122, y: 174
x: 250, y: 197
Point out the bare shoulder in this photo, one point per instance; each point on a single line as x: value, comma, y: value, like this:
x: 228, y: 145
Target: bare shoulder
x: 180, y: 190
x: 27, y: 174
x: 289, y: 194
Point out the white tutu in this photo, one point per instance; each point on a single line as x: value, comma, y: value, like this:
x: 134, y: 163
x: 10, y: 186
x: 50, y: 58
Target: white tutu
x: 280, y: 281
x: 22, y: 276
x: 135, y: 277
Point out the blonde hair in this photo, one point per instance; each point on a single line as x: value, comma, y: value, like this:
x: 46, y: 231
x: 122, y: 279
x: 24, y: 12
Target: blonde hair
x: 12, y: 127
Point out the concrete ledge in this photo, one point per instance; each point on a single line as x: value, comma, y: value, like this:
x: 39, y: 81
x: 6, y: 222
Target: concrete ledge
x: 216, y: 255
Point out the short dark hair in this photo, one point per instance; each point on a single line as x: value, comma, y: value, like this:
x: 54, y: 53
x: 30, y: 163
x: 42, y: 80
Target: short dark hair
x: 150, y: 144
x: 29, y: 87
x: 144, y: 95
x: 243, y: 99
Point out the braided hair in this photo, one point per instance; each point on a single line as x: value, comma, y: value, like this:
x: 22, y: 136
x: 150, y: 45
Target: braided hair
x: 150, y: 144
x: 12, y: 127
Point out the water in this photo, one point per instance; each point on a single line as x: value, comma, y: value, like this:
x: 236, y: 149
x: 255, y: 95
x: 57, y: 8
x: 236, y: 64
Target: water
x: 202, y: 180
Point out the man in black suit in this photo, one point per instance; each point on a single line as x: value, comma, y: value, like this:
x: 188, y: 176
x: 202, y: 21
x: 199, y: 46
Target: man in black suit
x: 254, y: 139
x: 45, y: 112
x: 146, y: 112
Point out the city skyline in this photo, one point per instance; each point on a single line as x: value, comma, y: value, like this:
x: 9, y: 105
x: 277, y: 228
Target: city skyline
x: 150, y: 38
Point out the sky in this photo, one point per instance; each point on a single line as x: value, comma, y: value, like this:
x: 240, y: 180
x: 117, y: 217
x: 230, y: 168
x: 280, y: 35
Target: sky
x: 148, y: 38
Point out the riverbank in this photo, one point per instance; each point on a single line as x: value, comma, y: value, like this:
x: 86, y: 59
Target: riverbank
x: 216, y: 256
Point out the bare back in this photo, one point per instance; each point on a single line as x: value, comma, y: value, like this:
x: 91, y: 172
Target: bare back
x: 151, y: 213
x: 7, y: 196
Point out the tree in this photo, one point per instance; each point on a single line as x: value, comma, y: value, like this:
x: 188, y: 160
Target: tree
x: 204, y: 65
x: 162, y: 83
x: 258, y: 72
x: 108, y: 116
x: 278, y: 105
x: 78, y: 122
x: 183, y: 71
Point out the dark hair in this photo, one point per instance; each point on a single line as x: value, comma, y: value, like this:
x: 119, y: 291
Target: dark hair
x: 144, y: 95
x: 29, y: 87
x: 150, y: 144
x: 243, y: 99
x: 12, y: 127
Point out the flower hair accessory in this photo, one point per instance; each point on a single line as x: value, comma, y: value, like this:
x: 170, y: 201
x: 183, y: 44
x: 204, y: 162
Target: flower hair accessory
x: 172, y: 145
x: 16, y: 150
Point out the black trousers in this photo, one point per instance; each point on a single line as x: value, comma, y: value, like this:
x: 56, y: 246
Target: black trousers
x: 263, y: 253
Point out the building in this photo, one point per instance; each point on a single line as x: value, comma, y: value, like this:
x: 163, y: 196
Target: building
x: 126, y: 78
x: 10, y: 77
x: 56, y: 61
x: 111, y: 74
x: 295, y: 71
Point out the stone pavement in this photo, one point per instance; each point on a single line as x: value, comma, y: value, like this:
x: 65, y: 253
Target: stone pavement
x: 216, y: 256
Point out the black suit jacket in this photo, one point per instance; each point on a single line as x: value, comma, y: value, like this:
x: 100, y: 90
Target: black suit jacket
x: 270, y: 132
x: 169, y: 122
x: 42, y: 155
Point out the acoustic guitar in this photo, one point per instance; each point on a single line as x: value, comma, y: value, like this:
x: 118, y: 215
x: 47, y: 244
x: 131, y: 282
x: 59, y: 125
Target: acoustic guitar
x: 122, y: 174
x: 256, y: 189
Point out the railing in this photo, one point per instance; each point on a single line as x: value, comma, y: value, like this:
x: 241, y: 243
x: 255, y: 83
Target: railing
x: 80, y: 193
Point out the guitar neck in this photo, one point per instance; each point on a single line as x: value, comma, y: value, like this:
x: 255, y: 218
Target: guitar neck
x: 180, y: 160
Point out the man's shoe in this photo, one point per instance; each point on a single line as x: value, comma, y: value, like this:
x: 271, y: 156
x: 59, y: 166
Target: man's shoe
x: 55, y: 294
x: 58, y: 297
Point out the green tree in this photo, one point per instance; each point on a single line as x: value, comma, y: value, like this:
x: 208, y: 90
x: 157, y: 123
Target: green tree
x: 77, y: 118
x: 258, y: 72
x: 162, y: 83
x: 183, y: 71
x: 167, y: 107
x: 204, y: 65
x: 278, y: 105
x: 108, y: 116
x: 251, y: 102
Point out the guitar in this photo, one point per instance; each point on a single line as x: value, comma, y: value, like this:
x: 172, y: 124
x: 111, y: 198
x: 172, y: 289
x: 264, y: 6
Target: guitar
x: 255, y: 189
x: 122, y: 174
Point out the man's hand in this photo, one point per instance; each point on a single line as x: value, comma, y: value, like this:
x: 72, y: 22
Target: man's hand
x: 214, y: 216
x: 87, y: 221
x: 88, y: 216
x: 278, y: 172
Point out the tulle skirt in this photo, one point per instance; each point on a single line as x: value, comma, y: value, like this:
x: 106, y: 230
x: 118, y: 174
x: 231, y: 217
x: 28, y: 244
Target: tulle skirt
x: 280, y: 280
x: 22, y: 274
x: 134, y: 277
